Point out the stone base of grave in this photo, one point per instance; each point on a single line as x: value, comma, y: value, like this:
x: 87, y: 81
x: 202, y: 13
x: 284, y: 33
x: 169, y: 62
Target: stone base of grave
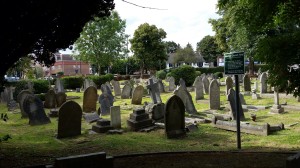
x: 156, y: 111
x: 102, y: 126
x: 176, y: 134
x: 138, y: 120
x: 53, y: 113
x: 277, y: 109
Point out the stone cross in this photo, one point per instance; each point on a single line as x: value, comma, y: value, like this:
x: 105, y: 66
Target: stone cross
x: 154, y: 92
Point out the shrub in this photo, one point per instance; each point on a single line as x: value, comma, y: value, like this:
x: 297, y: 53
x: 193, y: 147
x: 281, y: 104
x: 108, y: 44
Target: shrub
x: 186, y: 72
x: 161, y: 74
x: 219, y: 74
x: 99, y: 80
x: 40, y: 86
x: 41, y: 96
x: 198, y: 73
x: 72, y: 82
x: 211, y: 70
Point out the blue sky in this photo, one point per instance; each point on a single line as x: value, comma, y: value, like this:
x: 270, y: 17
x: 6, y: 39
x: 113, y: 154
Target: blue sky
x: 183, y: 21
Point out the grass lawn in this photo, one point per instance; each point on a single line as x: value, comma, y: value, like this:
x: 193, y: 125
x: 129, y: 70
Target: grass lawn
x: 38, y: 144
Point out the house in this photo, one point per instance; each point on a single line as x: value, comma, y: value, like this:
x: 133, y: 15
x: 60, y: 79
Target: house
x: 170, y: 63
x: 66, y: 64
x: 220, y: 60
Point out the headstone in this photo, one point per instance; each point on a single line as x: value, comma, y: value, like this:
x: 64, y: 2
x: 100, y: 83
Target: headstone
x: 198, y: 84
x: 102, y: 126
x: 20, y: 99
x: 69, y: 120
x: 172, y: 85
x: 106, y: 101
x: 161, y: 86
x: 91, y: 117
x: 59, y: 86
x: 247, y: 83
x: 205, y: 85
x: 116, y: 86
x: 90, y: 99
x: 126, y: 91
x: 139, y: 120
x: 263, y: 83
x: 108, y: 85
x: 242, y: 99
x: 11, y: 104
x: 255, y: 86
x: 232, y: 103
x: 276, y: 108
x: 156, y: 111
x: 50, y: 99
x: 137, y: 95
x: 105, y: 88
x: 61, y: 98
x: 175, y: 117
x: 34, y: 108
x: 30, y: 86
x: 229, y: 84
x: 186, y: 97
x: 214, y: 95
x: 154, y: 91
x: 115, y: 116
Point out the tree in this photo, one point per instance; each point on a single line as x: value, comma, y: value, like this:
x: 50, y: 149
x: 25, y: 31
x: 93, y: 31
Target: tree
x: 44, y: 27
x: 148, y: 46
x: 102, y: 41
x: 172, y: 47
x: 268, y: 30
x: 187, y: 54
x: 209, y: 49
x: 21, y: 67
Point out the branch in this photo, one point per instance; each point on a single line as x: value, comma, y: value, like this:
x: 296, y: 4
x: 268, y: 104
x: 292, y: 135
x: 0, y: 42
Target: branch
x: 142, y: 6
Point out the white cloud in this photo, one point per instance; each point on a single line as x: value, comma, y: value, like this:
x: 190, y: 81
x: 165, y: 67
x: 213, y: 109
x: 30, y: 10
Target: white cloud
x: 184, y: 21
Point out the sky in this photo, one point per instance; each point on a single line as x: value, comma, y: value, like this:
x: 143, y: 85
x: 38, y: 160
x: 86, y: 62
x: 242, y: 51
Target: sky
x: 183, y: 21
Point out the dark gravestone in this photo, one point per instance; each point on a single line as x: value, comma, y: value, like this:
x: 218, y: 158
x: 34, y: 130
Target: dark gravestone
x: 102, y: 126
x: 20, y: 99
x: 69, y: 120
x: 186, y: 97
x: 138, y: 120
x: 174, y: 117
x: 90, y: 99
x: 232, y: 103
x: 247, y: 83
x: 137, y: 95
x: 263, y: 83
x: 214, y: 95
x: 50, y: 99
x: 229, y: 84
x: 61, y: 98
x: 106, y: 101
x: 33, y: 106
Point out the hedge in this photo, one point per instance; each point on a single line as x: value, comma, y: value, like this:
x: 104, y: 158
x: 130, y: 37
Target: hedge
x: 186, y: 72
x: 72, y: 82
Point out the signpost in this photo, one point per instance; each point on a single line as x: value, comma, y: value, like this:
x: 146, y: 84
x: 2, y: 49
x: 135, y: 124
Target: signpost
x: 235, y: 65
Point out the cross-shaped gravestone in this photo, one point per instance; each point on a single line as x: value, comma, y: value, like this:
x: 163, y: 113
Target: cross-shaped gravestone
x: 154, y: 92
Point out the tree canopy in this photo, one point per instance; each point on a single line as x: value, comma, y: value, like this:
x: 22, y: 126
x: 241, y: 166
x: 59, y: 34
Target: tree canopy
x: 148, y: 46
x: 186, y: 54
x: 208, y: 48
x: 172, y: 47
x: 267, y: 30
x: 102, y: 41
x: 44, y: 27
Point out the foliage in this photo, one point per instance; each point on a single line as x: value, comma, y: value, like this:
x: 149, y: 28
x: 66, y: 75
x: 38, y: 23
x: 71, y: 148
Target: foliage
x: 148, y: 47
x: 262, y: 67
x: 23, y: 65
x: 219, y: 74
x: 60, y: 73
x: 38, y: 26
x: 209, y: 49
x: 186, y: 72
x: 72, y: 82
x: 40, y: 86
x: 171, y: 46
x: 198, y: 73
x: 161, y: 74
x: 119, y: 66
x: 186, y: 54
x: 211, y: 70
x: 41, y: 96
x: 99, y: 80
x: 102, y: 41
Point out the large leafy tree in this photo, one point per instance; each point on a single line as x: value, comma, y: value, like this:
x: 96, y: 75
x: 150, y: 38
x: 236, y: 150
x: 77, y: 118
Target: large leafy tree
x: 102, y: 41
x: 171, y: 46
x: 209, y: 49
x: 43, y: 27
x: 268, y: 30
x: 186, y: 54
x: 148, y: 46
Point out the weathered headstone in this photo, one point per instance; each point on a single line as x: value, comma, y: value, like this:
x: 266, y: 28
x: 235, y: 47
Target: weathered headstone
x: 137, y: 95
x: 50, y: 99
x: 11, y: 104
x: 232, y: 103
x: 263, y: 83
x: 105, y: 88
x: 20, y: 99
x: 156, y: 111
x: 198, y: 84
x: 229, y: 84
x: 154, y: 91
x: 242, y: 99
x: 91, y: 117
x: 214, y: 95
x: 276, y: 108
x: 247, y: 83
x: 175, y: 117
x: 172, y: 85
x: 126, y: 91
x: 69, y: 120
x: 106, y: 101
x: 61, y: 98
x: 59, y: 86
x: 186, y: 97
x: 30, y: 86
x: 205, y: 85
x: 115, y: 116
x: 90, y: 99
x: 161, y: 86
x: 116, y: 86
x: 138, y: 120
x: 34, y: 108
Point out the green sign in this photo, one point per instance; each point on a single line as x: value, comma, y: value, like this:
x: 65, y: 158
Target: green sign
x: 234, y: 63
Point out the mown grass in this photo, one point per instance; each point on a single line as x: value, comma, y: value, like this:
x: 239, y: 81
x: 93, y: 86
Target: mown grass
x: 41, y: 140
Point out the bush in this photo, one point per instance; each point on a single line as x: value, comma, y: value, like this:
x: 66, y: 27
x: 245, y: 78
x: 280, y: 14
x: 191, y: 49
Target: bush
x: 210, y: 70
x: 161, y: 74
x: 41, y: 96
x: 198, y: 73
x: 99, y: 80
x: 72, y: 82
x: 263, y: 67
x: 186, y: 72
x: 40, y: 86
x: 219, y: 74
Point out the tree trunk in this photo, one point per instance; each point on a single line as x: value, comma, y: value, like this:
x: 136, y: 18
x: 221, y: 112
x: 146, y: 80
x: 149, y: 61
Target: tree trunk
x: 251, y: 66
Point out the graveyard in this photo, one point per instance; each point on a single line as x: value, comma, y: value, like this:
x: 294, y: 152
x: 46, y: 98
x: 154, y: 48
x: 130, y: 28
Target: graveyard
x: 200, y: 126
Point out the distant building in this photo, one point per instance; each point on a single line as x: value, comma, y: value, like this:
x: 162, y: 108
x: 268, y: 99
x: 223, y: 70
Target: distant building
x: 220, y: 61
x: 170, y: 63
x: 66, y: 64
